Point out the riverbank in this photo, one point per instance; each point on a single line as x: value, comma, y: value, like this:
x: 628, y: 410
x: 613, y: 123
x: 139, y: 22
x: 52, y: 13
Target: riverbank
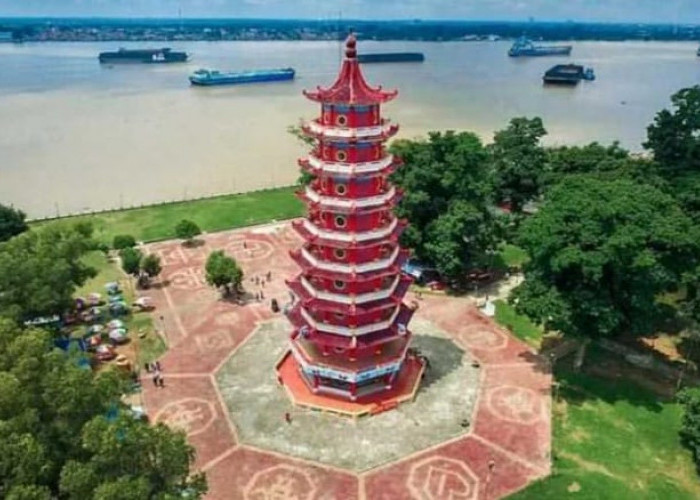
x: 157, y: 222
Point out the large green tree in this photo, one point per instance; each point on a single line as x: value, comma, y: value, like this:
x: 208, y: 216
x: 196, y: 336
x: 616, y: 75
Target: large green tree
x: 674, y: 136
x: 11, y: 222
x: 601, y: 252
x: 605, y: 162
x: 518, y: 162
x: 223, y: 272
x: 41, y: 269
x: 447, y: 200
x: 65, y: 434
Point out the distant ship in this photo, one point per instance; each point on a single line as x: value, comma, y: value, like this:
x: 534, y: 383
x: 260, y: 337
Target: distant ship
x: 525, y: 47
x: 213, y: 77
x: 146, y: 56
x: 391, y: 57
x: 568, y: 74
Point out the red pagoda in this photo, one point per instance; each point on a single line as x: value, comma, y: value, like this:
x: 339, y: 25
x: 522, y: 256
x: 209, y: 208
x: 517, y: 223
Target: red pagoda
x: 351, y: 340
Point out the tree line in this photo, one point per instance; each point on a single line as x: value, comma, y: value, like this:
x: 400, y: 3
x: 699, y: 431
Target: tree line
x: 608, y: 233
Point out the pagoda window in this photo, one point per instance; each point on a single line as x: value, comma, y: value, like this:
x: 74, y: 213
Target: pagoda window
x: 341, y: 189
x: 339, y: 285
x: 341, y: 155
x: 341, y: 120
x: 340, y: 221
x: 340, y: 253
x: 339, y: 316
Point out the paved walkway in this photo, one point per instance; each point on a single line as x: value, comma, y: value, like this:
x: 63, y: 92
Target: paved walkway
x: 508, y: 444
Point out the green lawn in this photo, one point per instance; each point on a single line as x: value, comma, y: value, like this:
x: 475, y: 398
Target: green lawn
x: 157, y: 222
x: 614, y: 440
x: 519, y: 325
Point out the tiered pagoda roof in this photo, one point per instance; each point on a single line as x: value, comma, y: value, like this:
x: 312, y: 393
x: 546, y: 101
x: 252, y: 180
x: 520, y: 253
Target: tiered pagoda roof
x: 351, y: 88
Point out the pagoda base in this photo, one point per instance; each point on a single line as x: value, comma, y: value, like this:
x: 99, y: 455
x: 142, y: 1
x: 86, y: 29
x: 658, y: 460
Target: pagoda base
x: 404, y: 388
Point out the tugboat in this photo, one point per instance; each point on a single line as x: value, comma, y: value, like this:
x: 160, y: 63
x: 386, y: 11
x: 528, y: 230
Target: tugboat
x: 212, y: 77
x: 145, y: 56
x: 525, y: 47
x: 568, y: 74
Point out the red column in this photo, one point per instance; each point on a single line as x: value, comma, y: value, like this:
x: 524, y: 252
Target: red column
x: 315, y: 381
x: 353, y: 390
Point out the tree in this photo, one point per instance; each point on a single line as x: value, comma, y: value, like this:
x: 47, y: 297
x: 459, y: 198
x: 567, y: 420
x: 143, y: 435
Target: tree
x: 605, y: 162
x: 223, y: 272
x: 40, y: 270
x: 674, y: 136
x: 601, y: 252
x: 446, y: 200
x: 11, y: 222
x: 150, y: 264
x: 305, y: 178
x: 64, y: 432
x: 150, y: 268
x: 690, y: 426
x: 187, y: 230
x: 122, y: 241
x: 131, y: 260
x: 518, y: 161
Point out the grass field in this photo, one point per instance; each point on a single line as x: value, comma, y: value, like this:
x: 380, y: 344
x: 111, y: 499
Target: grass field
x: 614, y: 440
x: 519, y: 325
x: 158, y: 222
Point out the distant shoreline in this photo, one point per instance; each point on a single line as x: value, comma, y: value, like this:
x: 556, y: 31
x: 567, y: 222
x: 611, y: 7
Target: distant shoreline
x: 53, y: 29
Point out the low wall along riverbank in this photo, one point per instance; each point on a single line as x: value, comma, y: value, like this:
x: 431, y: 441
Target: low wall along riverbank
x: 157, y: 222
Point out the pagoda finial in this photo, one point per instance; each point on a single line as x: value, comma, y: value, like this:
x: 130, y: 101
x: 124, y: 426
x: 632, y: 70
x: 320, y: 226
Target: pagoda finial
x: 350, y: 46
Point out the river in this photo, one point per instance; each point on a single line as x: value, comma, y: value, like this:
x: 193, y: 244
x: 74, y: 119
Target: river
x: 78, y: 136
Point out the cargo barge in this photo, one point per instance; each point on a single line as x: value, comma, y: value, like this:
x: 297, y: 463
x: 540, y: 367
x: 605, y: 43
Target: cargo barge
x: 391, y: 57
x: 568, y: 74
x: 207, y: 77
x: 143, y: 56
x: 524, y: 47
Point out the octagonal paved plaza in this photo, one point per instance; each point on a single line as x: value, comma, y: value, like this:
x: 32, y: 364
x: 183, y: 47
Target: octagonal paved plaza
x: 479, y: 426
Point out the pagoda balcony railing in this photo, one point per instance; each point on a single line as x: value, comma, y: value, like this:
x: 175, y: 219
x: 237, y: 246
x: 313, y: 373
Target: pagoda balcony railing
x: 359, y: 298
x: 336, y: 201
x: 315, y: 127
x: 351, y: 237
x: 349, y: 269
x: 350, y: 168
x: 347, y: 331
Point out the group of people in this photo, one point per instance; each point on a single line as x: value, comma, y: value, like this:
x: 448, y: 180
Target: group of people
x: 260, y: 281
x: 156, y: 373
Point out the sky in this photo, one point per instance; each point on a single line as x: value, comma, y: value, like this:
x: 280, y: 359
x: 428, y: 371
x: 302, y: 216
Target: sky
x: 662, y: 11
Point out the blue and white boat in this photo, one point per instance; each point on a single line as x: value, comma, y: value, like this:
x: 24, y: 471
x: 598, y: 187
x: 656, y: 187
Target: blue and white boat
x: 213, y: 77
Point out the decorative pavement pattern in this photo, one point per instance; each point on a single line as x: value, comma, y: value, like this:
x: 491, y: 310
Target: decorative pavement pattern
x: 505, y: 447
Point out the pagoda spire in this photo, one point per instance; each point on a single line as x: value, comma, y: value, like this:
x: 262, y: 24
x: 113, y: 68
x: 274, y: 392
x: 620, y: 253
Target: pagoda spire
x: 350, y: 87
